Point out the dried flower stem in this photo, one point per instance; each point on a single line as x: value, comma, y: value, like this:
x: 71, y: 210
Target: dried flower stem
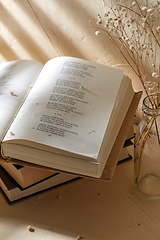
x: 146, y: 135
x: 144, y: 129
x: 150, y: 28
x: 157, y: 131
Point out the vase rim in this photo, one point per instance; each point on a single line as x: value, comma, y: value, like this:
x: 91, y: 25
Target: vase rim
x: 148, y: 108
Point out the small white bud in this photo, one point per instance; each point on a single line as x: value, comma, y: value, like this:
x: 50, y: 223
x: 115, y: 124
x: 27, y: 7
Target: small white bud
x: 97, y: 33
x: 144, y: 9
x: 99, y: 21
x: 131, y: 47
x: 155, y: 75
x: 144, y: 46
x: 150, y: 10
x: 158, y: 29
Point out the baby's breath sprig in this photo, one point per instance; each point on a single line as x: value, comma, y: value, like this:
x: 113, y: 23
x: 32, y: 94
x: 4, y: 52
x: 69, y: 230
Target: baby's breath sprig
x: 134, y: 28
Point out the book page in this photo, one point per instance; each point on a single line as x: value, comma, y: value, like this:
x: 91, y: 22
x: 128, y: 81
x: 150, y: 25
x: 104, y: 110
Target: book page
x: 69, y: 106
x: 15, y: 80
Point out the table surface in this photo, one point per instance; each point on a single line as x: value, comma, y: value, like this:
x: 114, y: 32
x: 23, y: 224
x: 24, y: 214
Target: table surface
x: 82, y: 209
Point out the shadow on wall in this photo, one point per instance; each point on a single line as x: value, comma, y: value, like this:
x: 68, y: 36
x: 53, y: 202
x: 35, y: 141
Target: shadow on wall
x: 20, y: 34
x: 63, y: 27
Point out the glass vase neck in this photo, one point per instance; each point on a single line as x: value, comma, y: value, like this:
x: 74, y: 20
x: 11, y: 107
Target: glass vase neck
x: 149, y: 108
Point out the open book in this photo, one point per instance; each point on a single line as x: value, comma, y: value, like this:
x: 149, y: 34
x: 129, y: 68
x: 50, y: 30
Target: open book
x: 26, y: 176
x: 64, y: 115
x: 18, y: 181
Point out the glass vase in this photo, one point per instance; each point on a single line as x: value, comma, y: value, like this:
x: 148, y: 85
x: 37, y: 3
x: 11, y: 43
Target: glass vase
x: 147, y: 151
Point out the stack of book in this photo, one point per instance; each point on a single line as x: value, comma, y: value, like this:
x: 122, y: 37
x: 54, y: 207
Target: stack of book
x: 69, y: 118
x: 19, y: 181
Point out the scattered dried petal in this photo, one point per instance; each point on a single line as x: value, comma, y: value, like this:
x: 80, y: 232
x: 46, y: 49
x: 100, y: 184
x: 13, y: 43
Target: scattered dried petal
x: 30, y: 229
x: 59, y: 196
x: 13, y: 94
x: 80, y: 238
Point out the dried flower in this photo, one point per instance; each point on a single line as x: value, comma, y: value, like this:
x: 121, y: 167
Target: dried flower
x: 135, y: 30
x: 99, y: 21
